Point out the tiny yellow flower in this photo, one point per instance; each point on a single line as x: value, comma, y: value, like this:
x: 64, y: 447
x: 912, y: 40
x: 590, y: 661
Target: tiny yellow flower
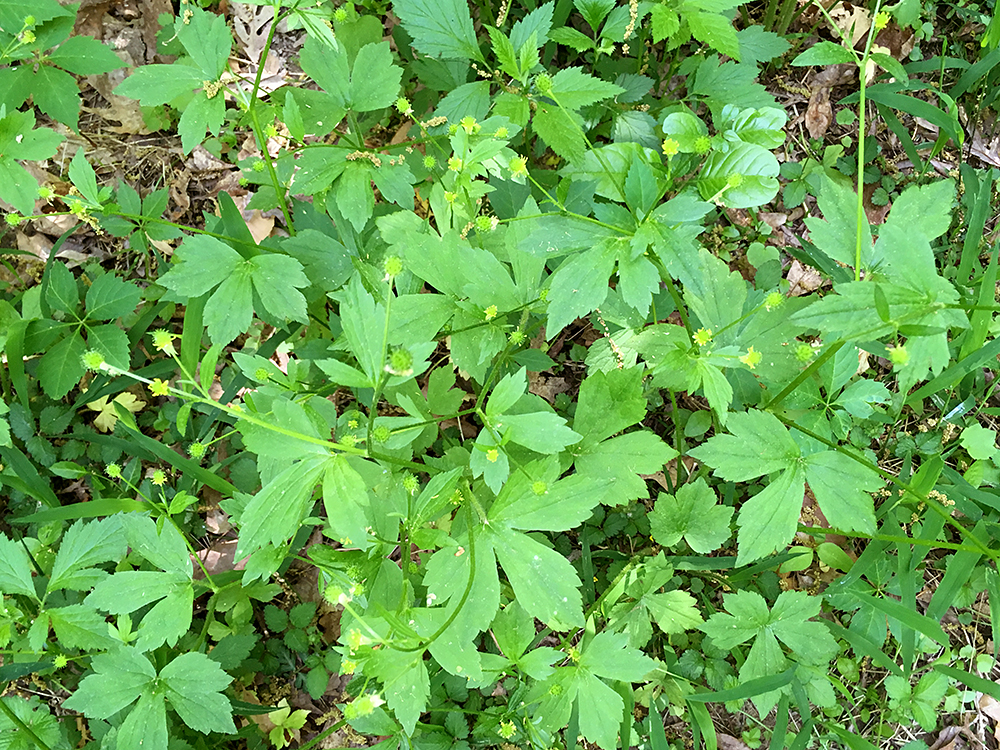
x: 519, y: 166
x: 492, y: 455
x: 751, y: 359
x: 159, y: 387
x: 164, y: 341
x: 159, y: 477
x: 702, y: 336
x: 774, y: 299
x: 670, y: 147
x: 899, y: 356
x: 490, y: 312
x: 113, y: 470
x: 455, y: 164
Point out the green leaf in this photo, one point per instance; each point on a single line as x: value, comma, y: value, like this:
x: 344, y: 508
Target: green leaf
x: 207, y: 39
x: 407, y: 684
x: 609, y: 656
x: 61, y: 367
x: 83, y: 546
x: 714, y: 30
x: 119, y: 678
x: 665, y: 22
x: 544, y: 582
x: 85, y: 56
x: 374, y: 79
x: 594, y: 11
x: 15, y: 570
x: 540, y: 431
x: 561, y: 129
x: 194, y: 685
x: 80, y: 626
x: 570, y: 37
x: 621, y: 459
x: 980, y: 442
x: 758, y: 444
x: 921, y: 214
x: 112, y: 342
x: 843, y: 489
x: 768, y: 520
x: 57, y: 94
x: 201, y: 264
x: 353, y: 193
x: 17, y: 186
x: 693, y: 513
x: 277, y: 280
x: 523, y: 504
x: 202, y: 113
x: 154, y: 85
x: 835, y: 234
x: 440, y: 28
x: 825, y: 53
x: 146, y: 725
x: 61, y: 292
x: 275, y: 513
x: 574, y: 89
x: 579, y: 286
x: 345, y: 499
x: 673, y: 611
x: 536, y: 23
x: 110, y: 297
x: 608, y: 403
x: 742, y: 175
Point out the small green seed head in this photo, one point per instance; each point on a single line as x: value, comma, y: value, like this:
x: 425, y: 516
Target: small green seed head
x: 430, y: 162
x: 702, y: 144
x: 381, y: 433
x: 400, y: 362
x: 93, y: 360
x: 393, y: 266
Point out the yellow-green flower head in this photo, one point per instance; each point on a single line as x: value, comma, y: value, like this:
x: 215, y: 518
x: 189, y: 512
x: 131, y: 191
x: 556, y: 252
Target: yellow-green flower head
x: 702, y: 336
x: 430, y: 162
x: 751, y: 359
x: 469, y: 124
x: 393, y: 266
x: 455, y: 164
x: 670, y: 147
x: 501, y: 133
x: 197, y: 449
x: 400, y: 362
x: 381, y: 433
x: 164, y: 341
x: 702, y: 144
x: 93, y: 360
x: 159, y: 478
x: 485, y: 223
x: 899, y: 356
x: 113, y: 470
x: 411, y: 484
x: 543, y: 82
x: 490, y: 312
x: 774, y: 299
x: 539, y: 487
x: 519, y: 166
x: 403, y: 105
x: 159, y: 387
x: 13, y: 219
x: 804, y: 352
x: 340, y: 14
x: 881, y: 20
x: 734, y: 180
x: 492, y: 455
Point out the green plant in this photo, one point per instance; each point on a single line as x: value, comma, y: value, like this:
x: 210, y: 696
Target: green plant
x: 501, y: 571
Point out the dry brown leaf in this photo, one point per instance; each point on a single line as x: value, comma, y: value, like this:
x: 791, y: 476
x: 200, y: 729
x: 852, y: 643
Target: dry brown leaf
x: 819, y: 113
x: 803, y: 279
x: 853, y: 24
x: 728, y: 742
x: 219, y: 558
x: 260, y: 226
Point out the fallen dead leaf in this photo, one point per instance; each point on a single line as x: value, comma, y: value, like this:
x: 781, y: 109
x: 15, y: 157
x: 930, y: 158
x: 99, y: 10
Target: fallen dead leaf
x: 803, y: 279
x: 819, y: 113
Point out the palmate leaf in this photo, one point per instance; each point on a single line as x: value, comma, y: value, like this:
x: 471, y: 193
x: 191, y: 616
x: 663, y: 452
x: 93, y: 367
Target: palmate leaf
x: 759, y: 445
x: 191, y: 683
x: 207, y: 263
x: 440, y: 28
